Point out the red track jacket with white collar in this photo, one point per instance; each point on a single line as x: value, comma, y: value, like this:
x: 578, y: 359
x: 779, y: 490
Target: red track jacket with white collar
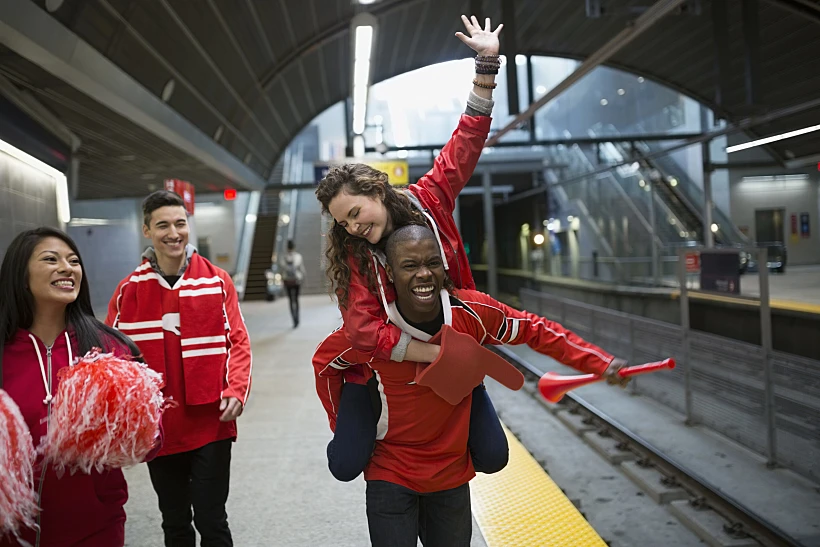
x: 190, y: 426
x: 77, y: 510
x: 422, y: 439
x: 365, y: 324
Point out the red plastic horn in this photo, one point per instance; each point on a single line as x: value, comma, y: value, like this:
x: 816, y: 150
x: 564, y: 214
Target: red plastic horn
x: 554, y: 386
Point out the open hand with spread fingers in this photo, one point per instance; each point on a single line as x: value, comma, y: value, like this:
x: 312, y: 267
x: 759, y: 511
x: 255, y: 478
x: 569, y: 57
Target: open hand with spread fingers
x: 482, y: 41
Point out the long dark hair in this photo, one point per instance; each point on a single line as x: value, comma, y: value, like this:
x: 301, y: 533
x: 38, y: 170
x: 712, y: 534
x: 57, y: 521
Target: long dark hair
x: 17, y: 302
x: 358, y: 179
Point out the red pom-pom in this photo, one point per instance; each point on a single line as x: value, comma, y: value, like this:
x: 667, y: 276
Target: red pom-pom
x: 18, y: 501
x: 106, y: 414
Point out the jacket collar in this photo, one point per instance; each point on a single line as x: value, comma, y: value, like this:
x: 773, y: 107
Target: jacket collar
x: 151, y: 255
x: 396, y: 317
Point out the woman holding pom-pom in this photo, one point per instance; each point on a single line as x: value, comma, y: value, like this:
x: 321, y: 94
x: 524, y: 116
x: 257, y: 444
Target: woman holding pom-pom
x: 46, y: 322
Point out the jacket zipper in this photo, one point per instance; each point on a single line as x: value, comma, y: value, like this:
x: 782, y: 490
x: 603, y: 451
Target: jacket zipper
x: 45, y: 464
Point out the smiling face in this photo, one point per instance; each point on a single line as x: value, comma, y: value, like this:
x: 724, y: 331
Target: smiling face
x: 418, y: 275
x: 362, y: 216
x: 54, y: 273
x: 168, y: 231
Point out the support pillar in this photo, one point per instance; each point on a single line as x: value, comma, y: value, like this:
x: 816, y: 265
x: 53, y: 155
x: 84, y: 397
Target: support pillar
x: 656, y: 276
x: 708, y: 201
x: 489, y: 230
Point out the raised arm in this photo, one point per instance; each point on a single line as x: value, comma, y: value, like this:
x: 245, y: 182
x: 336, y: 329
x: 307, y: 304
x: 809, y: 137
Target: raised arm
x: 455, y: 164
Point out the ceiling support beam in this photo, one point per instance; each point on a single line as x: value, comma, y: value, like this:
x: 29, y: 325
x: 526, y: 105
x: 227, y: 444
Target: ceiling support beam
x: 804, y: 8
x: 751, y: 39
x: 720, y: 30
x: 26, y: 102
x: 613, y: 46
x: 510, y: 41
x: 742, y: 125
x: 33, y: 34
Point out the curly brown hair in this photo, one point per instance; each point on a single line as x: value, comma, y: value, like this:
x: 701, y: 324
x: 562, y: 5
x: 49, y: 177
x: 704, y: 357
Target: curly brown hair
x: 357, y: 179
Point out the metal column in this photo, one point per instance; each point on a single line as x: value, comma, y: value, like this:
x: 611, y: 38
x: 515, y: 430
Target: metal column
x: 656, y: 278
x: 684, y: 323
x: 489, y: 230
x: 708, y: 202
x: 770, y: 408
x: 457, y: 214
x: 73, y: 178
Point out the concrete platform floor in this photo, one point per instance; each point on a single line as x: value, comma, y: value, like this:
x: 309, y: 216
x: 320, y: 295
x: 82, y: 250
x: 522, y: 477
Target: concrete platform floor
x: 282, y: 494
x: 796, y: 284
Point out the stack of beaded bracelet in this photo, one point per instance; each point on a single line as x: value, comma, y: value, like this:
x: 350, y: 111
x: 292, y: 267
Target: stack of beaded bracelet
x: 487, y: 64
x: 484, y: 85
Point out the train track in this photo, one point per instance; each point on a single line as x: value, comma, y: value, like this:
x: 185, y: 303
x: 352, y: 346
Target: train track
x: 742, y: 522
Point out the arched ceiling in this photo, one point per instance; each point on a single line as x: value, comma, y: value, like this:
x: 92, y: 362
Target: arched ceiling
x: 251, y: 73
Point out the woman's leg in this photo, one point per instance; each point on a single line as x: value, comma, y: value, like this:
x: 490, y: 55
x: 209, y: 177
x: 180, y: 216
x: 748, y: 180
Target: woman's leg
x: 487, y: 443
x: 355, y: 435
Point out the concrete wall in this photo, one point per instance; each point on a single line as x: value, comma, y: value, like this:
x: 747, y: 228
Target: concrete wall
x: 28, y: 199
x: 218, y: 226
x: 306, y: 229
x: 109, y: 235
x: 795, y: 196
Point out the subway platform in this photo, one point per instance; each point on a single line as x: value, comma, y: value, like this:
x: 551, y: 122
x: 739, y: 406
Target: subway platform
x: 283, y: 495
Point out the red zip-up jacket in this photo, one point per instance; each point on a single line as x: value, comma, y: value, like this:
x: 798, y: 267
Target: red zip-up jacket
x: 76, y: 510
x: 365, y: 323
x: 469, y: 312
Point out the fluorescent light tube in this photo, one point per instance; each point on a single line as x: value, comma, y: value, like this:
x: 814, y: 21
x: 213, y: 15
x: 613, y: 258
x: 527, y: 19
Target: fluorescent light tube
x: 767, y: 140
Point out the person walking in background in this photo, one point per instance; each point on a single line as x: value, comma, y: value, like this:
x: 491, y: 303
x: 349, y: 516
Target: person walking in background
x: 292, y: 267
x: 183, y: 313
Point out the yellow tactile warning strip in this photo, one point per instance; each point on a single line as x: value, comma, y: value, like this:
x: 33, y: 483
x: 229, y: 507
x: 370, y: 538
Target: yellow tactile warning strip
x: 521, y: 506
x: 775, y: 303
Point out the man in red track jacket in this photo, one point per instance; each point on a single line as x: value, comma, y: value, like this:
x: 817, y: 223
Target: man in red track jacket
x: 183, y: 313
x: 421, y: 463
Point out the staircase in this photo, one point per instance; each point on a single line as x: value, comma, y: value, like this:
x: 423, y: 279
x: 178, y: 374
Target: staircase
x: 264, y: 239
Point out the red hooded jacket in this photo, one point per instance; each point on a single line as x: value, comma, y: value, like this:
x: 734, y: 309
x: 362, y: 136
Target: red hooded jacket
x: 76, y: 510
x: 365, y: 322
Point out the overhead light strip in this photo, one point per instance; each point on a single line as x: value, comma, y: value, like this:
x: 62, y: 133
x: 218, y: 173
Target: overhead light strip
x: 767, y: 140
x: 361, y: 76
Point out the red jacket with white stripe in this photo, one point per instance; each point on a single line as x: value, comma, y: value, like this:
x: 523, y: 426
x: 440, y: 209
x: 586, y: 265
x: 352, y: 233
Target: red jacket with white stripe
x: 365, y: 324
x: 191, y: 426
x: 422, y: 439
x: 76, y: 509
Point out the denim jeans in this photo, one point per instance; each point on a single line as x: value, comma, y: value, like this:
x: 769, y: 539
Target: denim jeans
x: 193, y: 486
x: 396, y: 516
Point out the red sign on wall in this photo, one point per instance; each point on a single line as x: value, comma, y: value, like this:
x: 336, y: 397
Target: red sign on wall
x: 185, y: 190
x: 794, y: 225
x: 692, y: 262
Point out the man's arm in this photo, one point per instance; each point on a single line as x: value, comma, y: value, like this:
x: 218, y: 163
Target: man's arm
x: 240, y: 360
x: 506, y: 325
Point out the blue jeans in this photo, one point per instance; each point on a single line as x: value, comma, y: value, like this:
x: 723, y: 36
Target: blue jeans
x: 352, y: 444
x: 396, y: 516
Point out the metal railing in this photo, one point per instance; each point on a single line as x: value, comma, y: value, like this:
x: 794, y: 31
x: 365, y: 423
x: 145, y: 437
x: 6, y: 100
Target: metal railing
x: 766, y: 400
